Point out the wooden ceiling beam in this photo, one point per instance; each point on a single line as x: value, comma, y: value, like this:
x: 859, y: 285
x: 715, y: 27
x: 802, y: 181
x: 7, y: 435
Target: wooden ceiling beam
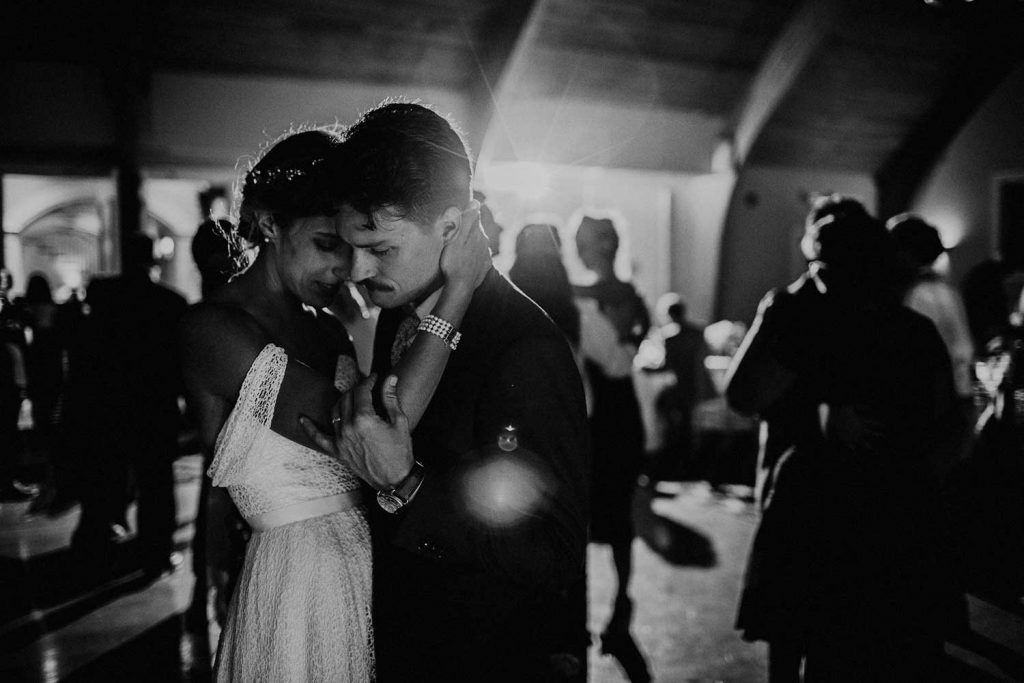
x: 676, y: 43
x: 724, y: 13
x: 801, y: 37
x: 707, y: 89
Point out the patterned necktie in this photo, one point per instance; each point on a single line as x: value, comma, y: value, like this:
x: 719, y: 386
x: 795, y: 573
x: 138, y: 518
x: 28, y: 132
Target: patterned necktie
x: 404, y: 336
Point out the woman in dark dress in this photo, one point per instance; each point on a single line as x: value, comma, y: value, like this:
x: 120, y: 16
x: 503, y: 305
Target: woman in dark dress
x: 848, y: 570
x: 766, y: 379
x: 613, y: 320
x: 538, y: 271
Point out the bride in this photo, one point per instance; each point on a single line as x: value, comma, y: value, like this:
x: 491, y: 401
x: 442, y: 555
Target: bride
x: 259, y: 355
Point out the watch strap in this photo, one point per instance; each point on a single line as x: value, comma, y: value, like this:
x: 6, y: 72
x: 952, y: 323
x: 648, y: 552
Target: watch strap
x: 408, y: 487
x: 394, y: 499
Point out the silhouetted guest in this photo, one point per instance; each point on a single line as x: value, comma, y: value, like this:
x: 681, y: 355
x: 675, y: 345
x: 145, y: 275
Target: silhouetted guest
x: 61, y: 493
x: 45, y: 356
x: 215, y: 254
x: 13, y: 390
x: 849, y: 569
x: 613, y: 322
x: 925, y: 290
x: 44, y: 361
x: 990, y: 291
x: 923, y: 261
x: 130, y: 385
x: 685, y: 351
x: 540, y: 273
x: 91, y: 427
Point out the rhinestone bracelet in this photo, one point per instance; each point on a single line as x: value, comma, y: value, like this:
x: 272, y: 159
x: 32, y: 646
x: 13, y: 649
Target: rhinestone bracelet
x: 441, y: 328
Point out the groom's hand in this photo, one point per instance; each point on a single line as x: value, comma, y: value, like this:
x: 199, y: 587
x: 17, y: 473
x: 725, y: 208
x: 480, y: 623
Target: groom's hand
x: 378, y: 450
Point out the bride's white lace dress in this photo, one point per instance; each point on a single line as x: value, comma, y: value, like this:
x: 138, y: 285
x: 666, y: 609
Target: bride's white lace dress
x: 301, y: 611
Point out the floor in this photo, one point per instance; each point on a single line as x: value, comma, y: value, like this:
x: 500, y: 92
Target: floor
x: 688, y: 569
x: 689, y: 559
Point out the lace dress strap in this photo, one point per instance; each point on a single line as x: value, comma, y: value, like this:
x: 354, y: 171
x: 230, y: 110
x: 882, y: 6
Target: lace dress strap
x: 249, y: 422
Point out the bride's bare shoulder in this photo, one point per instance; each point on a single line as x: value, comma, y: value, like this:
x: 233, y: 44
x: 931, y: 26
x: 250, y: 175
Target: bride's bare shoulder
x: 219, y: 342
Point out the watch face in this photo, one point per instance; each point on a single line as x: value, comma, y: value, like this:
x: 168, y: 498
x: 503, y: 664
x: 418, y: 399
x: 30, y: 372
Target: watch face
x: 389, y: 502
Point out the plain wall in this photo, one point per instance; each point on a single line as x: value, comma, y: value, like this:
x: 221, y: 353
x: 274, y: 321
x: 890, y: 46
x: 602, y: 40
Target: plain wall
x: 699, y: 206
x: 958, y: 197
x: 584, y: 133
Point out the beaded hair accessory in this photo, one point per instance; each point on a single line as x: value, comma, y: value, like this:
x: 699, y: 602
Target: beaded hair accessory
x: 275, y: 174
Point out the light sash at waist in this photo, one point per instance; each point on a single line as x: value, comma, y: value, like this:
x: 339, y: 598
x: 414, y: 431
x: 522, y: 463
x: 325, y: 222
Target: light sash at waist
x: 305, y: 510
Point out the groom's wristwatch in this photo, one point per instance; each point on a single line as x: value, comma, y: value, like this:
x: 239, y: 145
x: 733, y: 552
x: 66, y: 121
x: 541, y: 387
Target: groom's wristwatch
x: 394, y: 499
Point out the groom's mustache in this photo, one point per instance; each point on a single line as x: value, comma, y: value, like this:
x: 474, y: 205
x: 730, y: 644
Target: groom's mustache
x: 376, y: 286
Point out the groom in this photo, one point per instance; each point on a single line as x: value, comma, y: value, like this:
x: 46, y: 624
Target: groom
x: 480, y: 547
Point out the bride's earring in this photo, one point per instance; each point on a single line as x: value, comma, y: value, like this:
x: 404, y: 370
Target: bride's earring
x: 266, y: 224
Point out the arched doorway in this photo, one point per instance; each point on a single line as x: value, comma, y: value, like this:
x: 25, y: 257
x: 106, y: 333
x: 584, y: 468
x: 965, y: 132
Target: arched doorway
x: 65, y: 243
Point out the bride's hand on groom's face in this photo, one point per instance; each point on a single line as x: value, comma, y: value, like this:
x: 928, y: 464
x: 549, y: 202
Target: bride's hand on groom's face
x: 466, y: 257
x: 378, y: 450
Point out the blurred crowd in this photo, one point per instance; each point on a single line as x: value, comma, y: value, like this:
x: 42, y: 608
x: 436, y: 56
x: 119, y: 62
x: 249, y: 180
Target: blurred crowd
x: 873, y: 404
x: 93, y: 414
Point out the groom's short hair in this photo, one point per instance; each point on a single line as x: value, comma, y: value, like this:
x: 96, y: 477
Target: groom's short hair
x: 408, y: 158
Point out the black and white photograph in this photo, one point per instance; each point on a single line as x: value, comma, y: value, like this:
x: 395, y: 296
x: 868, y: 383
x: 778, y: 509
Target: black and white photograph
x: 512, y: 341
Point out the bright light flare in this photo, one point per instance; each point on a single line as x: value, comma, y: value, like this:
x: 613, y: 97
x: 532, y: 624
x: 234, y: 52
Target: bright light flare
x: 529, y: 180
x: 948, y: 220
x: 87, y: 221
x: 165, y: 247
x: 504, y: 491
x: 70, y: 272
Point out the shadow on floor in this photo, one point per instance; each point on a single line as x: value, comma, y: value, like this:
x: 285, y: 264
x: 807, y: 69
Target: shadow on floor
x: 1003, y: 658
x: 45, y: 592
x: 956, y: 671
x: 676, y: 543
x: 166, y: 652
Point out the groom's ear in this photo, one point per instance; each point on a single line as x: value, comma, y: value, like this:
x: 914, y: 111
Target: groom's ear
x: 450, y: 221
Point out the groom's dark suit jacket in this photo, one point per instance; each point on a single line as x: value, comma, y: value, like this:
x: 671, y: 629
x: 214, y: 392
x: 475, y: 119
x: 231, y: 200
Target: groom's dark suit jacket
x: 472, y: 583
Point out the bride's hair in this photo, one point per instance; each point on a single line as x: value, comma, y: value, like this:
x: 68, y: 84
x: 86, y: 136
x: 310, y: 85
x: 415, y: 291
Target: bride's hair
x: 296, y: 176
x: 292, y: 177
